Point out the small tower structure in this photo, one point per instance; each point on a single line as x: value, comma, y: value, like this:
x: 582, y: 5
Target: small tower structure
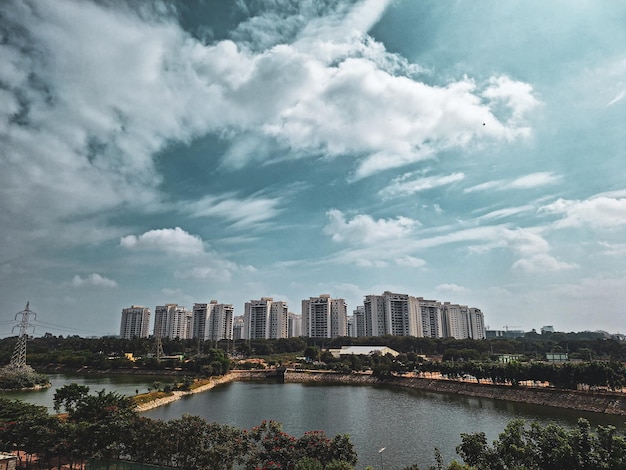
x: 18, y: 359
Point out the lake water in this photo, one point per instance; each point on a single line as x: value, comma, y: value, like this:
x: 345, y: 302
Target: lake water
x: 408, y: 423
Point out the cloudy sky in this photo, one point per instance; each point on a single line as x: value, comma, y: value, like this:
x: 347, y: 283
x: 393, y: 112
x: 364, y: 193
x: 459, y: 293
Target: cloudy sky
x: 178, y: 152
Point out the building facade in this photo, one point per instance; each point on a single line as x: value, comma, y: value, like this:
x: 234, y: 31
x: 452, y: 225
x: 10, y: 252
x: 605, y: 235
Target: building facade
x: 323, y: 317
x: 135, y: 322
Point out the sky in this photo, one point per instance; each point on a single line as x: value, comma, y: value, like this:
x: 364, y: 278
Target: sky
x: 180, y: 152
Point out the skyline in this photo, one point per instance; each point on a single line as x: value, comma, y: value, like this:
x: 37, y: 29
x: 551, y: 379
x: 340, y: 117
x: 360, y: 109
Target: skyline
x: 178, y: 152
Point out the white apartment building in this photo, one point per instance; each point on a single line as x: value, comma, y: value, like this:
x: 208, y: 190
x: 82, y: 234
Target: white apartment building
x: 323, y: 317
x: 212, y: 321
x: 266, y: 319
x: 392, y: 314
x: 135, y: 322
x: 172, y: 321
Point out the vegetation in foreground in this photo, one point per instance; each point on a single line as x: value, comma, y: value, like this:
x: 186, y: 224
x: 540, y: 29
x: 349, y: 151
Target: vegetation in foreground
x: 105, y: 426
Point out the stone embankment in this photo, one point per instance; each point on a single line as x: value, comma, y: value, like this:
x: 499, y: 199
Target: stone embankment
x: 609, y: 403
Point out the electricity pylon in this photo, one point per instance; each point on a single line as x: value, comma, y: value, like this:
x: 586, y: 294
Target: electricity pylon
x: 18, y: 359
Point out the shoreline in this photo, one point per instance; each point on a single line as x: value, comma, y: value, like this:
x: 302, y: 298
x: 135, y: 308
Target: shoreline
x: 606, y: 403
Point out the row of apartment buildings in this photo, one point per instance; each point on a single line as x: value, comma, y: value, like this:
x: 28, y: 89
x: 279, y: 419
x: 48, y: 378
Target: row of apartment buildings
x: 322, y: 317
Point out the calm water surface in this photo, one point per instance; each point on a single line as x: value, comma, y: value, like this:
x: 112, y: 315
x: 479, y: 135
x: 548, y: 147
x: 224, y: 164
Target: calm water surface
x: 123, y: 384
x: 409, y: 424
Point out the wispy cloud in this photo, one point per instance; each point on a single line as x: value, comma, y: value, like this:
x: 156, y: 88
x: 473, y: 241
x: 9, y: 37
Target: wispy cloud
x: 533, y: 180
x: 241, y: 212
x: 410, y: 183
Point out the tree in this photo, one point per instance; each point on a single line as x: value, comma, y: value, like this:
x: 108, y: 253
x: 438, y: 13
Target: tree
x: 69, y: 396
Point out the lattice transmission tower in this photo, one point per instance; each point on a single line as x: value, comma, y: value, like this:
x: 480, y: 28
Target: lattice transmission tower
x: 18, y: 360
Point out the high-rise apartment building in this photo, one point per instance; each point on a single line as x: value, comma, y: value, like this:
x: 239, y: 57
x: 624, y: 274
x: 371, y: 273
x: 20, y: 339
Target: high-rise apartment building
x: 266, y: 319
x: 212, y: 321
x: 392, y: 314
x: 172, y: 321
x: 135, y: 322
x: 323, y: 317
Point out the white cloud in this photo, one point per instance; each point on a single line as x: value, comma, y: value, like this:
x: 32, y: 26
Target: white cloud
x: 600, y: 212
x: 93, y: 279
x: 204, y: 272
x: 410, y: 262
x: 452, y: 288
x: 408, y: 184
x: 167, y: 240
x: 363, y: 229
x: 542, y: 262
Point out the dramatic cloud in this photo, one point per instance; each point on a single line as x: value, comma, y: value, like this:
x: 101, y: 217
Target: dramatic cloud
x: 167, y: 240
x: 94, y: 279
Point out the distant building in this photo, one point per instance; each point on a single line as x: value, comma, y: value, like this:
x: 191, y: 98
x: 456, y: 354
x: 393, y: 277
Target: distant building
x: 507, y: 334
x: 212, y: 321
x: 323, y: 317
x: 135, y: 322
x: 266, y: 319
x: 294, y: 329
x: 547, y: 329
x: 172, y: 321
x: 557, y: 357
x: 363, y: 350
x: 358, y: 318
x: 238, y: 326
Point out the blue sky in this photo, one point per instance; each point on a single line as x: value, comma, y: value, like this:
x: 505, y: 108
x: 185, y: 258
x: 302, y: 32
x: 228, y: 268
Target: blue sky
x: 464, y: 151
